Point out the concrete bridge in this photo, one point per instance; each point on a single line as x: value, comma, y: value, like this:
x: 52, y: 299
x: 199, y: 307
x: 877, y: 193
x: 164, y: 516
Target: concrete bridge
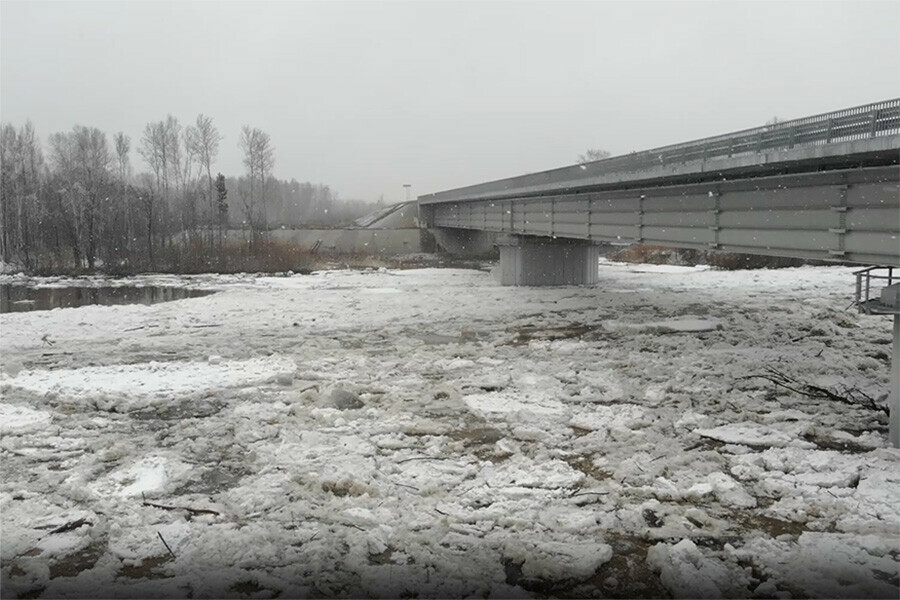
x: 821, y: 187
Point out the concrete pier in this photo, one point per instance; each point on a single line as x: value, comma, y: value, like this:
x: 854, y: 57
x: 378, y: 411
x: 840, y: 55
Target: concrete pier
x: 532, y: 260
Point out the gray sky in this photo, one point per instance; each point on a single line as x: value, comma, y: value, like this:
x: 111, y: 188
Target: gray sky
x: 366, y: 96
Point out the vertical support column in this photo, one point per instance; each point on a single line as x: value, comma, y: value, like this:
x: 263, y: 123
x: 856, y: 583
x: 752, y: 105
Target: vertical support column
x: 894, y: 402
x: 840, y: 209
x: 542, y: 261
x: 640, y: 220
x: 714, y: 212
x: 873, y: 125
x: 552, y: 215
x: 590, y: 218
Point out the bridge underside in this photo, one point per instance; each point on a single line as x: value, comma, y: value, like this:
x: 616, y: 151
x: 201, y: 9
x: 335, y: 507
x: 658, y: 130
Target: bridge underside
x: 849, y: 215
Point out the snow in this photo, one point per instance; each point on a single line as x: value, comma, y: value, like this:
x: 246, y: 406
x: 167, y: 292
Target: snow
x: 687, y: 573
x: 22, y: 419
x: 751, y: 434
x: 509, y: 441
x: 133, y: 386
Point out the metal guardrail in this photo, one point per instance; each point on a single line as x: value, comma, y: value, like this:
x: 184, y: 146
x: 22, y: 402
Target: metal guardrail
x: 869, y: 121
x: 857, y: 123
x: 868, y: 303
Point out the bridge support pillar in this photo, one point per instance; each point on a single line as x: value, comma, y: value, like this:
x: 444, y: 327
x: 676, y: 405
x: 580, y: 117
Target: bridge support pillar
x: 531, y: 260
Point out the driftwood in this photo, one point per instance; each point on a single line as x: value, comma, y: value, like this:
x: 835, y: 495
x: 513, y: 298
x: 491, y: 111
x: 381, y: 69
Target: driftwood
x: 193, y: 511
x: 849, y: 396
x: 165, y: 544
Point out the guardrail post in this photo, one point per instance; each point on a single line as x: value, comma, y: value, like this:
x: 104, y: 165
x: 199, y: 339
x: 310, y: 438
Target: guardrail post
x: 859, y: 302
x: 552, y: 214
x: 894, y: 403
x: 715, y: 212
x: 841, y: 229
x: 640, y: 220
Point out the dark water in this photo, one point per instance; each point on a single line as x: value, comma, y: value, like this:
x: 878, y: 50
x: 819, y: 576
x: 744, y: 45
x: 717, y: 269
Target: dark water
x: 19, y: 298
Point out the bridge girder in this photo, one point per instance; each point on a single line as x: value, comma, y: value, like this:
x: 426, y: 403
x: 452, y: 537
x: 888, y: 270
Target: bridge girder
x: 850, y: 215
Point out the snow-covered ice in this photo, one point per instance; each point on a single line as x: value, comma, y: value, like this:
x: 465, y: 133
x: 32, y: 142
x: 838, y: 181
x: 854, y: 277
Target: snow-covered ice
x: 501, y: 441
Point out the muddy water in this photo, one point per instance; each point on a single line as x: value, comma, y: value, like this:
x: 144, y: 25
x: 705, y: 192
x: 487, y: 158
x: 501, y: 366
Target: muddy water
x: 19, y: 298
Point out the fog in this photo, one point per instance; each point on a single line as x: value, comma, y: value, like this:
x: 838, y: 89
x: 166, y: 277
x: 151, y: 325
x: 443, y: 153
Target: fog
x: 368, y: 96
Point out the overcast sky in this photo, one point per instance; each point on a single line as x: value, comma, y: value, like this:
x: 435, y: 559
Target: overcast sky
x: 367, y: 96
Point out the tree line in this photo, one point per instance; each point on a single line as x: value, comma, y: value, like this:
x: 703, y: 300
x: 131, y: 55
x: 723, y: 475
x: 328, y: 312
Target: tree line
x: 78, y: 204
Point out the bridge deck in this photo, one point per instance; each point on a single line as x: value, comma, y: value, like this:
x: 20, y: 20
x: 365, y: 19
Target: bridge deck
x: 865, y: 135
x: 834, y: 195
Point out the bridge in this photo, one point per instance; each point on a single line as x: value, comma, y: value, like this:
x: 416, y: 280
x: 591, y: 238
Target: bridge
x: 820, y: 187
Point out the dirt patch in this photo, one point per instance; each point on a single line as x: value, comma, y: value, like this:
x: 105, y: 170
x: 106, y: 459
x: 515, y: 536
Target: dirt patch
x: 626, y: 575
x: 480, y: 441
x: 251, y: 589
x: 82, y: 560
x: 344, y: 488
x: 580, y: 431
x: 216, y: 479
x: 585, y: 464
x: 527, y: 333
x: 147, y: 569
x: 387, y: 557
x: 750, y: 521
x: 846, y: 446
x: 193, y: 409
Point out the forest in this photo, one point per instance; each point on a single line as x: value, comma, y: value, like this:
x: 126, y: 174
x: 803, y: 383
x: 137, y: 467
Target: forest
x: 77, y: 204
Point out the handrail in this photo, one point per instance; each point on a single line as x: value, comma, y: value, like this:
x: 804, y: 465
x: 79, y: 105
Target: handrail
x: 860, y: 122
x: 867, y: 121
x: 865, y: 301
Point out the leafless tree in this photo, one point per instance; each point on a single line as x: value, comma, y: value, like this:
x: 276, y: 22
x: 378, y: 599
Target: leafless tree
x: 153, y: 150
x: 122, y: 145
x: 592, y: 154
x: 206, y: 142
x: 86, y: 208
x: 22, y: 160
x: 82, y: 157
x: 259, y: 159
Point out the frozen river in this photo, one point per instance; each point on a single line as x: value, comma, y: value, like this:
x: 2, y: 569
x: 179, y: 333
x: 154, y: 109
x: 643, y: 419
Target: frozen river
x: 392, y: 433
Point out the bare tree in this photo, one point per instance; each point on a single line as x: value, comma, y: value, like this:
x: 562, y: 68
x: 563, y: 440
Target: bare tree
x: 188, y: 186
x: 592, y: 154
x: 20, y: 186
x: 206, y: 142
x: 247, y: 143
x: 147, y: 201
x: 122, y: 145
x: 259, y: 159
x: 266, y: 162
x: 82, y: 156
x: 8, y: 150
x: 123, y: 163
x: 172, y: 137
x: 221, y: 205
x: 153, y: 150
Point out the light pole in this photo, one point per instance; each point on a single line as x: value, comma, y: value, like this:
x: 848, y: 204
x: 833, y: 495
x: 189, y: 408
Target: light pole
x: 407, y: 186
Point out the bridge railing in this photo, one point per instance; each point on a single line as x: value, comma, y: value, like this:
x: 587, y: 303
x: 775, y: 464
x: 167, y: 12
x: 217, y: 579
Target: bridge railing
x: 868, y: 121
x: 857, y: 123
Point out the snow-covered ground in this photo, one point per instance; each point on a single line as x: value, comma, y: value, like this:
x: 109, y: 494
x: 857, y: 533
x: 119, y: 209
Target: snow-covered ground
x: 605, y: 441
